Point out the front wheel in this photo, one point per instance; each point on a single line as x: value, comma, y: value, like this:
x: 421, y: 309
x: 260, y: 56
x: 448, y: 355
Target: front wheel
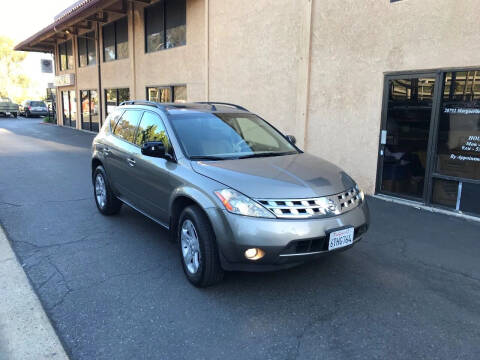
x: 107, y: 202
x: 198, y: 248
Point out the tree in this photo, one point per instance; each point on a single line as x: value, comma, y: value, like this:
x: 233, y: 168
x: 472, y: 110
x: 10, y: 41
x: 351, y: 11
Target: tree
x: 13, y: 82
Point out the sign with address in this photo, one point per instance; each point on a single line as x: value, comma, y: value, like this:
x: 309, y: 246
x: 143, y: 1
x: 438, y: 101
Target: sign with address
x: 65, y: 80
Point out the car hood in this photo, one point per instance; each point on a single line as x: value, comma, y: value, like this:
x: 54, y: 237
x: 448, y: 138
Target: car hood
x: 280, y: 177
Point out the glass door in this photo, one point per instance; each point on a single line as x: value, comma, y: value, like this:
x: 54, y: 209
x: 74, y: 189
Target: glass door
x: 406, y: 136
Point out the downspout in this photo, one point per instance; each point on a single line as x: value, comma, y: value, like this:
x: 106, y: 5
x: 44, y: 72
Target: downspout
x: 100, y: 92
x: 134, y: 73
x: 207, y: 50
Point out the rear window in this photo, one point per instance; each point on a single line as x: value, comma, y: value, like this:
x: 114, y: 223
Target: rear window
x: 38, y: 104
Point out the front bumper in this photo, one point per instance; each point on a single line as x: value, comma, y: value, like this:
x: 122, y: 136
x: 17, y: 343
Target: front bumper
x: 286, y: 242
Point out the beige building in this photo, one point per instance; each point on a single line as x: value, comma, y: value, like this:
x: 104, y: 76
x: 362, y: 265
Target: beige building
x: 388, y: 90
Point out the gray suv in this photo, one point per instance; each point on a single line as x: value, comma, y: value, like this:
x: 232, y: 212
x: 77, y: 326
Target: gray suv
x: 235, y: 193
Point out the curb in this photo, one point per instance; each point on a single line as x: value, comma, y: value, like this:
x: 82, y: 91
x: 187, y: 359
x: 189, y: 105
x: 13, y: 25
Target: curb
x: 25, y: 330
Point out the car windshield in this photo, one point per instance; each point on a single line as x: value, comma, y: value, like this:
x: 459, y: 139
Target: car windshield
x: 38, y: 104
x: 229, y: 136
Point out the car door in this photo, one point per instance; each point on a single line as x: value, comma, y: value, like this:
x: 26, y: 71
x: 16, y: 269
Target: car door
x: 121, y: 156
x: 155, y: 177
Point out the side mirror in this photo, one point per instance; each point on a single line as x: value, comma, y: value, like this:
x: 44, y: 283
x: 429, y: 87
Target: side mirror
x: 291, y: 139
x: 154, y: 149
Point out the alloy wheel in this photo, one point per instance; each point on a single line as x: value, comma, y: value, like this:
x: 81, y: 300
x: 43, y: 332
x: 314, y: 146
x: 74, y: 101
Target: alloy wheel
x: 190, y: 246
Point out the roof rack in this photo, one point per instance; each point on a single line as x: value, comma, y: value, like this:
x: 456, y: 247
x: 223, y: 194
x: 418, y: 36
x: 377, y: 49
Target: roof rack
x: 141, y: 102
x: 213, y: 103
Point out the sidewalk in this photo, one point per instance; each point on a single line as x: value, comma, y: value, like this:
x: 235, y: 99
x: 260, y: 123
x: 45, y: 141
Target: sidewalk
x: 25, y: 331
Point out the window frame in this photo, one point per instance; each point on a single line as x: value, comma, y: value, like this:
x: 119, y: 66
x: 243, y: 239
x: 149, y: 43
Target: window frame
x: 89, y: 98
x: 170, y: 87
x: 145, y: 24
x: 62, y: 50
x: 117, y: 93
x: 86, y: 37
x: 71, y: 123
x: 115, y: 41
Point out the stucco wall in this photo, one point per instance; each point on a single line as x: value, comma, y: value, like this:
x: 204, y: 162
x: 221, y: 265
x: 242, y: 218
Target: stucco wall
x: 353, y: 44
x: 253, y: 57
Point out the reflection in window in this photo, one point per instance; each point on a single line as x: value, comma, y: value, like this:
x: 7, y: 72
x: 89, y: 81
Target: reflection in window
x: 86, y: 49
x: 69, y: 105
x: 165, y: 25
x: 408, y: 124
x: 127, y: 125
x: 65, y: 53
x: 114, y: 97
x: 115, y: 40
x: 89, y: 116
x: 151, y: 129
x: 458, y: 148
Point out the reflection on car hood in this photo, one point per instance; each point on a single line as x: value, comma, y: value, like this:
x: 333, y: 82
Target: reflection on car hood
x: 279, y: 177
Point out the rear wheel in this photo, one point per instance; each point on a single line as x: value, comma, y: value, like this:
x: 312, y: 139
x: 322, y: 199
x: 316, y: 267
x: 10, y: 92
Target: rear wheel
x: 15, y: 115
x: 107, y: 202
x: 198, y: 248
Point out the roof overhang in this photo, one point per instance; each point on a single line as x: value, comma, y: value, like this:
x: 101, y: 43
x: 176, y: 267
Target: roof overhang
x: 80, y: 15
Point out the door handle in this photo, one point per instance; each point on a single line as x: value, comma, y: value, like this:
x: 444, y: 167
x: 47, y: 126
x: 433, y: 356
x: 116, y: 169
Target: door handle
x: 106, y: 151
x: 131, y: 162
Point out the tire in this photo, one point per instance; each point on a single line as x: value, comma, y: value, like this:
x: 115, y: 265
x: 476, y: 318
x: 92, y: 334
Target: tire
x: 15, y: 115
x: 209, y: 271
x: 107, y: 203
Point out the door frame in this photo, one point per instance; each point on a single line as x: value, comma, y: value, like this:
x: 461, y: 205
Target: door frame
x: 432, y: 134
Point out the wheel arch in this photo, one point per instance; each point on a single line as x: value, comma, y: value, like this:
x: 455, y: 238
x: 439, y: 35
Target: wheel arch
x: 186, y: 197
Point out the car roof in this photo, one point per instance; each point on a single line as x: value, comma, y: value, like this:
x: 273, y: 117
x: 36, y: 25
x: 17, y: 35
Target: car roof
x: 182, y: 108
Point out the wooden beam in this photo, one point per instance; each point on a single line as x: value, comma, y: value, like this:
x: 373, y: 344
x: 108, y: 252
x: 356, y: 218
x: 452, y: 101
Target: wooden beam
x: 115, y: 12
x: 103, y: 18
x: 86, y: 26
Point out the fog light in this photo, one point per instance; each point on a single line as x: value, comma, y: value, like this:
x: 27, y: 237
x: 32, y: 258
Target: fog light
x: 254, y: 254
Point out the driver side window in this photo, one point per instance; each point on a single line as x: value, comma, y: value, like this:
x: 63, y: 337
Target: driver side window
x: 151, y: 128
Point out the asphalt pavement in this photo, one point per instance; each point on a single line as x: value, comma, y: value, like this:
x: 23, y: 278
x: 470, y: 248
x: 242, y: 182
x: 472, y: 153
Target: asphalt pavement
x: 113, y: 287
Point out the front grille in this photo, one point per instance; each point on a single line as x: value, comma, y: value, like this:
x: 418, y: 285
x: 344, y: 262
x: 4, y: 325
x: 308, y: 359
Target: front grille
x: 314, y: 207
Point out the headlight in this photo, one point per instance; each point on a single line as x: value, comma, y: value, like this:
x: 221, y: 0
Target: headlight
x: 360, y: 192
x: 237, y: 203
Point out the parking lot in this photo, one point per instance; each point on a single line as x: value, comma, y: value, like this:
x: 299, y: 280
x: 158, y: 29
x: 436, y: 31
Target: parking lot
x: 113, y: 287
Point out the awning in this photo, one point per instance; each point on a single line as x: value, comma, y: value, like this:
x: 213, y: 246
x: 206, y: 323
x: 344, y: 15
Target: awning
x: 80, y: 15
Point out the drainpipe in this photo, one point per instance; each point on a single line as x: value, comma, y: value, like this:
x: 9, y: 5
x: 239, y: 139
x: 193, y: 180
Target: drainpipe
x: 207, y: 50
x: 133, y: 65
x: 100, y: 91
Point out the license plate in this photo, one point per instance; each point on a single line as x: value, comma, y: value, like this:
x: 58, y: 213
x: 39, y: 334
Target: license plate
x: 340, y: 238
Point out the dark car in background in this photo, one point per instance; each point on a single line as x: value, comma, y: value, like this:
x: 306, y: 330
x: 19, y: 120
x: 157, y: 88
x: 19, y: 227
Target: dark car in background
x: 31, y: 108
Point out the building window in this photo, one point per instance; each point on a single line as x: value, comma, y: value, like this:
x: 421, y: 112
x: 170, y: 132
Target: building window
x: 165, y: 25
x: 172, y: 93
x: 114, y: 97
x: 89, y: 115
x: 115, y: 40
x: 69, y: 108
x: 65, y: 53
x: 86, y: 49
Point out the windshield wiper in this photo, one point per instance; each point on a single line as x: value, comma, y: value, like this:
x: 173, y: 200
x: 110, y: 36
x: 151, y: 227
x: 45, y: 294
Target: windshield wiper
x: 257, y: 155
x: 207, y: 157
